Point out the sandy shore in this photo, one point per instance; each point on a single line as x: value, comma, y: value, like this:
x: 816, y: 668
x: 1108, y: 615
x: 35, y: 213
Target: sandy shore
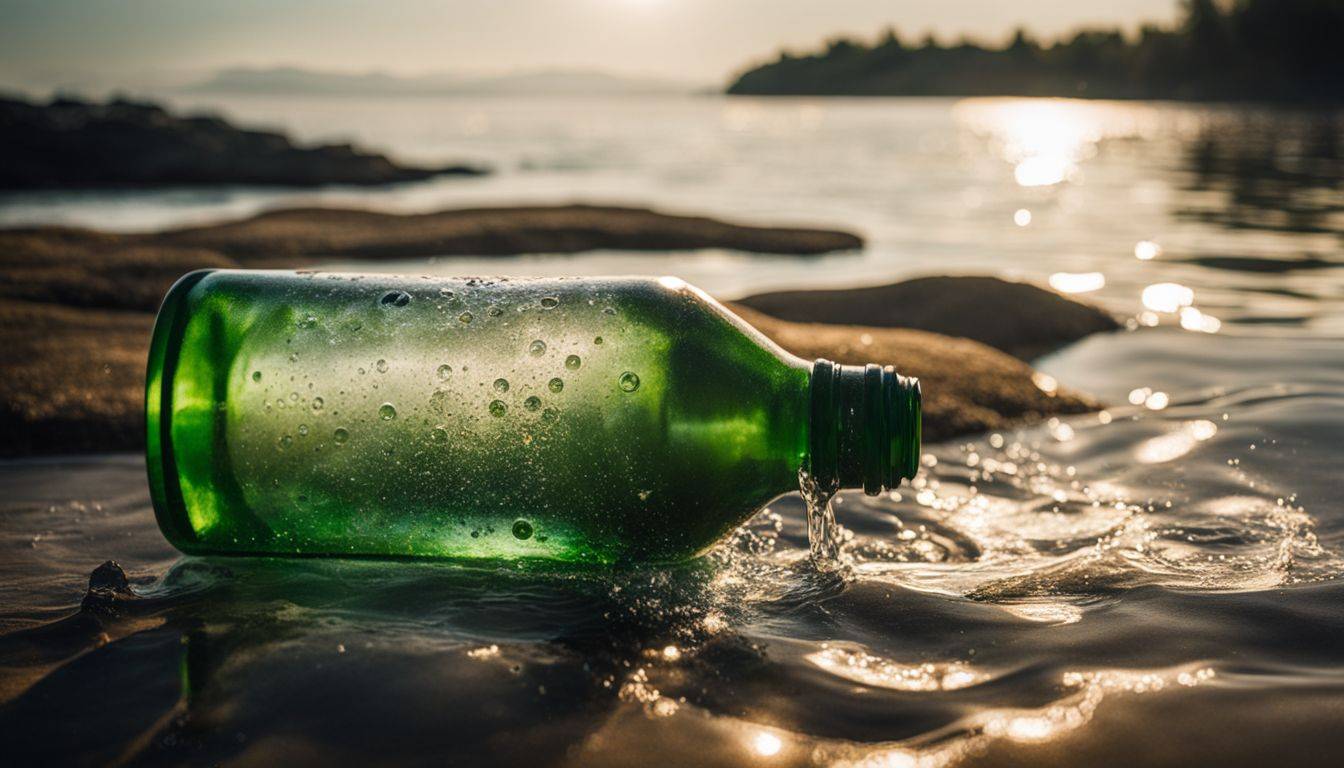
x: 76, y: 309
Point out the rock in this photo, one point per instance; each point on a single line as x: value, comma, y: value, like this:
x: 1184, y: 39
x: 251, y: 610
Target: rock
x: 968, y: 387
x: 86, y: 268
x: 107, y: 585
x: 1017, y: 318
x: 109, y: 577
x: 68, y: 144
x: 328, y: 232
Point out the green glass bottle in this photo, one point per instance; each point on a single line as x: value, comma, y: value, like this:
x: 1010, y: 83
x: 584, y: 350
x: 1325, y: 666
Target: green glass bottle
x: 600, y: 420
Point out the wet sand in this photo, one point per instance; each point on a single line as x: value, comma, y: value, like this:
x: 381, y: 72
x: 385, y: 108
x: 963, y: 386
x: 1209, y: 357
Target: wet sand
x: 77, y: 307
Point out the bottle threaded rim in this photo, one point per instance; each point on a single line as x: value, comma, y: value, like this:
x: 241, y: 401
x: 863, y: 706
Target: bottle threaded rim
x: 865, y: 426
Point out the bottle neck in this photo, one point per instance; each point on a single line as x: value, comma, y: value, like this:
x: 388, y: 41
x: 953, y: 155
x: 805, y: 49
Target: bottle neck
x: 865, y: 427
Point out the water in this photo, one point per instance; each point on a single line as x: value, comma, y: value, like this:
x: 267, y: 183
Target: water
x: 1158, y: 583
x: 823, y: 535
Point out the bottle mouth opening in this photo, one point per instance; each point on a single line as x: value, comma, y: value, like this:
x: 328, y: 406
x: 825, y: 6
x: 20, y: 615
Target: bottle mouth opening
x: 865, y: 427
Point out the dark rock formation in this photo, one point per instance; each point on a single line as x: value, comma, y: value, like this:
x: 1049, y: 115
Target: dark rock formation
x: 1018, y: 318
x: 968, y: 387
x: 107, y: 585
x: 70, y: 144
x: 328, y: 232
x: 84, y: 268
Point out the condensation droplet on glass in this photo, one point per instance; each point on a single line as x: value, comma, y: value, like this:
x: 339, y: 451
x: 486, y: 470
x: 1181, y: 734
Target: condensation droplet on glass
x: 256, y: 375
x: 465, y: 317
x: 532, y: 403
x: 494, y: 311
x: 318, y: 403
x: 549, y: 302
x: 556, y: 385
x: 438, y: 435
x: 537, y: 348
x: 629, y: 381
x: 522, y: 529
x: 573, y: 362
x: 387, y: 412
x: 501, y: 385
x: 340, y: 435
x: 381, y: 365
x: 395, y: 299
x: 498, y: 408
x: 597, y: 340
x: 445, y: 371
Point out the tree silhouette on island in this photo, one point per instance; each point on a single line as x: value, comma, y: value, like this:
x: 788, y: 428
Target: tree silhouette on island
x: 1242, y: 50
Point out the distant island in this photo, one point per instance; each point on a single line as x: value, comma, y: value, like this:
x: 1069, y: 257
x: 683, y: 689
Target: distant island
x: 1242, y: 50
x: 550, y: 82
x: 74, y: 144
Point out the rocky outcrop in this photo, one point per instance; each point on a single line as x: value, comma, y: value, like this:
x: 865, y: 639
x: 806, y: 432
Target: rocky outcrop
x: 968, y: 387
x: 86, y: 268
x: 1021, y: 319
x: 72, y: 144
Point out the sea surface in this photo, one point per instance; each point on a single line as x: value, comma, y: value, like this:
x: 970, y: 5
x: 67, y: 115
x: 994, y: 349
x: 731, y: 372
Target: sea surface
x: 1155, y: 584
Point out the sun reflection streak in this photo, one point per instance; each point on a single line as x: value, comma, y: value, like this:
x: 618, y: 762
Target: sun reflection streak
x: 1177, y: 299
x: 1077, y: 282
x: 1147, y: 250
x: 1047, y: 139
x: 766, y: 744
x: 1167, y: 297
x: 1173, y: 445
x: 975, y: 732
x: 859, y: 666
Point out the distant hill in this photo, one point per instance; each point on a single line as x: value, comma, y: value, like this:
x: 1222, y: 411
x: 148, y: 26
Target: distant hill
x: 1265, y: 50
x: 295, y: 80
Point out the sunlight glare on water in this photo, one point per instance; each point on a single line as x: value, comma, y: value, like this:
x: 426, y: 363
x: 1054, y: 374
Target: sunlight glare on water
x: 1047, y: 140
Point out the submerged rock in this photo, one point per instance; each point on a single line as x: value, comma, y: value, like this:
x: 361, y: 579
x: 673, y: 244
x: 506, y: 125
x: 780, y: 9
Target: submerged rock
x: 1017, y: 318
x: 107, y: 584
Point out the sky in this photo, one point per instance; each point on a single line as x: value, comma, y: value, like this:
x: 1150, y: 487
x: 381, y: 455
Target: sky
x: 149, y: 43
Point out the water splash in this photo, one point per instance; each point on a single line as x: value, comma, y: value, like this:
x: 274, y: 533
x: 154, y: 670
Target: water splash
x: 823, y: 535
x: 1010, y: 519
